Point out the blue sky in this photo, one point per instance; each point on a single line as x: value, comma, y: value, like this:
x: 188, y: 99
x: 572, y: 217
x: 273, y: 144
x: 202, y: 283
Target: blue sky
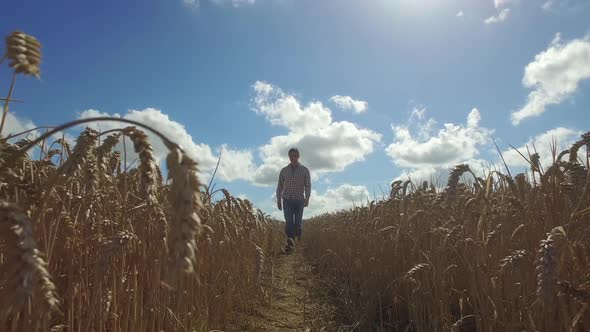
x: 368, y: 90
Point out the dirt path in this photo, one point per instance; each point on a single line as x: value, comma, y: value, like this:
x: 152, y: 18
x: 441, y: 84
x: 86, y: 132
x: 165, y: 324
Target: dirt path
x: 294, y: 301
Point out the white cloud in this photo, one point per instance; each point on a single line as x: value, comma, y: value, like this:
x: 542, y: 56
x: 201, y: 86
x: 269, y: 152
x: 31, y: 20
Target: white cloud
x: 500, y: 17
x: 15, y: 125
x: 439, y: 175
x: 191, y: 3
x: 342, y: 197
x: 285, y: 110
x: 473, y: 118
x: 194, y: 4
x: 547, y: 5
x: 418, y: 113
x: 502, y: 3
x: 430, y: 155
x: 263, y: 88
x: 161, y: 122
x: 435, y: 175
x: 238, y: 3
x: 450, y: 145
x: 325, y: 145
x: 424, y: 128
x: 235, y: 164
x: 235, y: 3
x: 347, y: 103
x: 563, y: 138
x: 554, y: 76
x: 565, y: 5
x: 460, y: 14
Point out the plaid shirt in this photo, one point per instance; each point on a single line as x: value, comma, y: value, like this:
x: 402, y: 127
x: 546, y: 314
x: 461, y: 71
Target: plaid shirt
x: 293, y: 181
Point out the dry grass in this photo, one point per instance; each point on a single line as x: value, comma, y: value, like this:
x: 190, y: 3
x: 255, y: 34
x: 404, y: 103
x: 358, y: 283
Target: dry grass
x: 497, y: 255
x: 85, y: 246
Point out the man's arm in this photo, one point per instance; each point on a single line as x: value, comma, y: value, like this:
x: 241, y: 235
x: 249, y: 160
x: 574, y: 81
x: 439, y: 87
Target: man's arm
x: 307, y: 184
x: 280, y: 190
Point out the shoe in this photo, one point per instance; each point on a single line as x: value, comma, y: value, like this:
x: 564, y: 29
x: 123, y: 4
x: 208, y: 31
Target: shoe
x: 290, y: 243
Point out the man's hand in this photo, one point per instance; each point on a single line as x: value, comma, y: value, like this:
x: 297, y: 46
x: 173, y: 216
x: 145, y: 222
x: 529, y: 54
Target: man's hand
x: 306, y: 203
x: 279, y: 205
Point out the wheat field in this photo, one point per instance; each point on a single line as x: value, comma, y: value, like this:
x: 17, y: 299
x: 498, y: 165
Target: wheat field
x: 87, y: 246
x: 486, y: 254
x: 88, y: 243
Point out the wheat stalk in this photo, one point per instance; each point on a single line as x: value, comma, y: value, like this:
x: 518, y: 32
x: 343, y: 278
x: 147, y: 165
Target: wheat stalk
x: 24, y: 53
x: 186, y: 202
x: 547, y: 267
x: 24, y: 270
x: 147, y: 166
x: 512, y: 261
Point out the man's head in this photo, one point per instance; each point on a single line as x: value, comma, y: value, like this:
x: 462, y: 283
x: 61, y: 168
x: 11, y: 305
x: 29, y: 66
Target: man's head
x: 294, y: 155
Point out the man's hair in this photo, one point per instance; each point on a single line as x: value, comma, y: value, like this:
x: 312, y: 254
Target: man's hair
x: 293, y: 150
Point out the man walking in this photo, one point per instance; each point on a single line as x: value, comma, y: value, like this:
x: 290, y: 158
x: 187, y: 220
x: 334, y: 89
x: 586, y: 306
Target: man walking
x: 293, y: 192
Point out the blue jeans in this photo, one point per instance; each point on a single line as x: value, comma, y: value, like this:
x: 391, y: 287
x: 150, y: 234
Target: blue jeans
x: 293, y: 210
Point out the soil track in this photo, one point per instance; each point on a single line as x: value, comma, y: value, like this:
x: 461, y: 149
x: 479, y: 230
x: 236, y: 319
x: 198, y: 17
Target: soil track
x: 294, y: 301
